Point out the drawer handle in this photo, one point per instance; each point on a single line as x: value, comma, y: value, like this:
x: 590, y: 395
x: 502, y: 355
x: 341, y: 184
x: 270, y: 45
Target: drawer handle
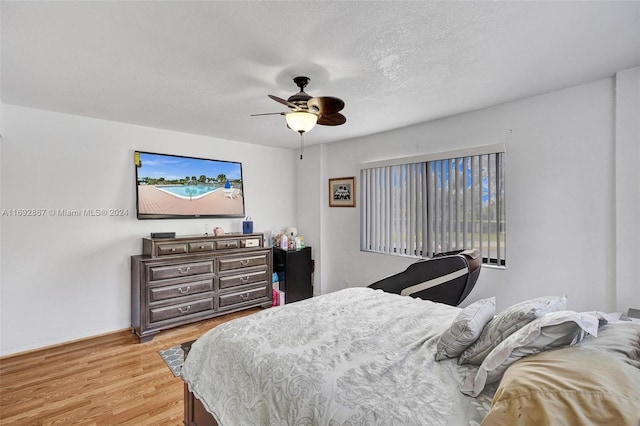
x: 173, y: 249
x: 244, y: 296
x: 184, y: 290
x: 184, y: 270
x: 228, y: 245
x: 184, y: 310
x: 244, y: 262
x: 244, y: 279
x: 201, y: 247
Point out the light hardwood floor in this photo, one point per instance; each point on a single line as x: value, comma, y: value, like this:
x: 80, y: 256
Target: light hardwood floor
x: 107, y: 380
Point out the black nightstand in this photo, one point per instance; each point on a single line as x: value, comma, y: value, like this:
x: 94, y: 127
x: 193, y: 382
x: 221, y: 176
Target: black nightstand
x: 294, y: 269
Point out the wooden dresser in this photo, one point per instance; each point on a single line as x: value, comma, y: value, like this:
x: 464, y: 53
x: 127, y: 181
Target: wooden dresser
x: 181, y: 280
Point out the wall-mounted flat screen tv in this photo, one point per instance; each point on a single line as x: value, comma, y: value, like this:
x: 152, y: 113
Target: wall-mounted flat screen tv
x: 178, y: 187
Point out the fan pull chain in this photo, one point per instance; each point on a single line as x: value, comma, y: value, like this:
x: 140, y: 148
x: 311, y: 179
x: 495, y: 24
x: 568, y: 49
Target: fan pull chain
x: 301, y: 144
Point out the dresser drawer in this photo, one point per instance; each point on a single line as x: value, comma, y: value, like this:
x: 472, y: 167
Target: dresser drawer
x: 239, y: 262
x: 180, y: 270
x: 182, y: 309
x: 200, y: 246
x: 178, y: 290
x: 171, y: 249
x: 227, y: 244
x: 240, y: 297
x: 250, y: 242
x: 247, y: 278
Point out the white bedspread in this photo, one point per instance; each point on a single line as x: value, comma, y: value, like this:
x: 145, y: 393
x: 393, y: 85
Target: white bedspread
x: 354, y: 357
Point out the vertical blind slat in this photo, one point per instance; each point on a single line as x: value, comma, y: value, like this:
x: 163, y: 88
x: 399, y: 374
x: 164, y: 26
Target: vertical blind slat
x: 450, y: 189
x: 391, y: 210
x: 460, y: 210
x: 436, y: 205
x: 407, y: 229
x: 380, y: 219
x: 424, y: 249
x: 456, y: 242
x: 498, y: 201
x: 439, y: 210
x: 488, y: 206
x: 374, y: 206
x: 401, y: 217
x: 478, y: 184
x: 429, y: 224
x: 473, y: 203
x: 363, y: 210
x: 495, y: 220
x: 396, y: 210
x: 413, y: 208
x: 454, y: 206
x: 465, y: 181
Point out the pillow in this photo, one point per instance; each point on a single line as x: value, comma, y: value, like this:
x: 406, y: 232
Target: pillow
x: 465, y: 328
x: 619, y: 340
x: 589, y: 383
x: 508, y: 321
x: 553, y: 330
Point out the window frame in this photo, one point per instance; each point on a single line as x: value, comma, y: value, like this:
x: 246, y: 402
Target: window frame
x: 416, y: 234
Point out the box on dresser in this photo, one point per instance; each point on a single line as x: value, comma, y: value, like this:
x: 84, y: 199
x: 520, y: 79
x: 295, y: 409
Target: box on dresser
x: 185, y: 279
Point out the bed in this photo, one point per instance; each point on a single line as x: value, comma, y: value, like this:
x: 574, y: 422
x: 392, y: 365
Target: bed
x: 362, y: 356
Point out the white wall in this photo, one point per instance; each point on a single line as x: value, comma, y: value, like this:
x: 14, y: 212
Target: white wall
x: 560, y: 183
x: 572, y: 206
x: 628, y: 188
x: 308, y: 198
x: 64, y: 278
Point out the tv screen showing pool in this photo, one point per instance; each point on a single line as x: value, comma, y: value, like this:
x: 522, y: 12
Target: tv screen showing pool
x: 178, y: 187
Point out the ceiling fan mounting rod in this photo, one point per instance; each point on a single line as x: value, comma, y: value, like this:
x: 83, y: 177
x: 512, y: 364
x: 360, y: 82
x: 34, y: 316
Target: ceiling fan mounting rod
x: 301, y: 82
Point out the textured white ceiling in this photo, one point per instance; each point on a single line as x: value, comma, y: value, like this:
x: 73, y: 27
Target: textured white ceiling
x: 203, y: 67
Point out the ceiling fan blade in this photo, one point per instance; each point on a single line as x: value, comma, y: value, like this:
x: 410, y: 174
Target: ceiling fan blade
x: 325, y: 105
x: 267, y: 113
x: 332, y: 119
x: 284, y: 102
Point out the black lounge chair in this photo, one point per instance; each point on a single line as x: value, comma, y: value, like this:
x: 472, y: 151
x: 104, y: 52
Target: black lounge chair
x: 445, y: 278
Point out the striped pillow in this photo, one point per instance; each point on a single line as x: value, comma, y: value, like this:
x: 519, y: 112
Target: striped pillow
x: 465, y: 328
x: 507, y: 322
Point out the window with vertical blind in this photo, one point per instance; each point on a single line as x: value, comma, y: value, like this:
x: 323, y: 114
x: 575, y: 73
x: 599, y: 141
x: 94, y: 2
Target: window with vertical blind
x: 424, y: 205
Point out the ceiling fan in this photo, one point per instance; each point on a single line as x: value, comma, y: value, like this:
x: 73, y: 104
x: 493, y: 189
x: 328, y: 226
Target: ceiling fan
x: 305, y: 111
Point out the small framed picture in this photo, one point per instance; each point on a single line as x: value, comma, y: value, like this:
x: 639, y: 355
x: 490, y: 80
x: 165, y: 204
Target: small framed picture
x: 342, y: 192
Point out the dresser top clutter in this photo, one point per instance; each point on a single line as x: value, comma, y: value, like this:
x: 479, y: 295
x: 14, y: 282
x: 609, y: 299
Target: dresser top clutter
x: 180, y: 245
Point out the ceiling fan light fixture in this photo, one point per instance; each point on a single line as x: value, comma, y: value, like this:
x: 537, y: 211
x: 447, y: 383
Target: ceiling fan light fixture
x: 301, y: 121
